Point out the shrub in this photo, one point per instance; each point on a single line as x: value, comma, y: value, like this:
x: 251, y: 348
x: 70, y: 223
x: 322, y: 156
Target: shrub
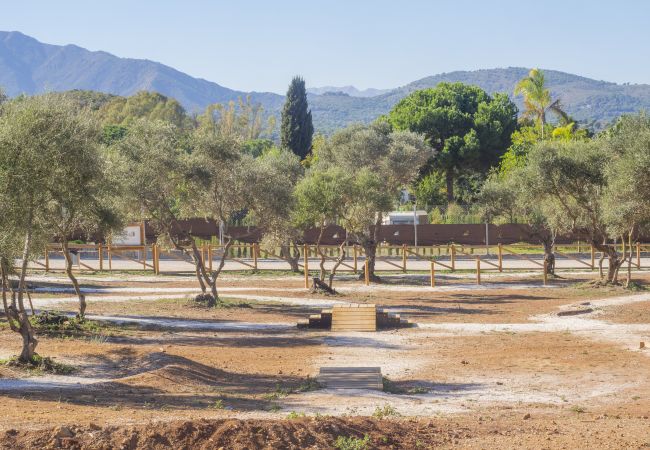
x: 352, y: 443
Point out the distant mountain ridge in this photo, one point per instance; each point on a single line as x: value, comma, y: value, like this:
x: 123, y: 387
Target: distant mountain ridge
x: 31, y: 67
x: 349, y: 90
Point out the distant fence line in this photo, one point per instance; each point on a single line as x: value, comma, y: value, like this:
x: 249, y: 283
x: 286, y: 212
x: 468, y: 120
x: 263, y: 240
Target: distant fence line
x: 427, y: 234
x: 394, y: 258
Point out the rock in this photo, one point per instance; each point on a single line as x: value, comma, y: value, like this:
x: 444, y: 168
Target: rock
x: 64, y: 432
x: 575, y: 312
x: 526, y: 416
x: 641, y: 344
x: 94, y: 426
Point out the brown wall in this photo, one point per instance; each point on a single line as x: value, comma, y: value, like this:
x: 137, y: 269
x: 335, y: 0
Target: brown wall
x: 428, y: 234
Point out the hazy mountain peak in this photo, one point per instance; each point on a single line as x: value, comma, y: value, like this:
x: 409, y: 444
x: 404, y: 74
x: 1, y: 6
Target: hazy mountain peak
x: 349, y: 90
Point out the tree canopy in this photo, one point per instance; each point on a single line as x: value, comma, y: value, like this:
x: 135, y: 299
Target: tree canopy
x: 469, y: 129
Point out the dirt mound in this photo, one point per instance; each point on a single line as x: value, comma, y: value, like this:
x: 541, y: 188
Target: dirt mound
x: 304, y: 433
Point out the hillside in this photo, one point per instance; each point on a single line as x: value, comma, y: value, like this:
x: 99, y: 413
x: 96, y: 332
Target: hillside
x: 29, y: 66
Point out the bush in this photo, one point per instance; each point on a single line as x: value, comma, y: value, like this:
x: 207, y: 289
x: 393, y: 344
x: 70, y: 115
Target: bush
x: 40, y: 365
x: 352, y: 443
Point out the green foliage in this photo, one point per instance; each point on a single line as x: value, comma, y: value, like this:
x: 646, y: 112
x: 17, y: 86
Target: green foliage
x: 295, y: 415
x: 537, y: 99
x: 378, y: 163
x: 113, y: 133
x: 430, y: 189
x: 257, y: 147
x: 627, y: 197
x: 143, y: 105
x: 243, y: 119
x: 384, y: 412
x: 320, y: 198
x: 468, y: 129
x: 352, y: 443
x: 524, y: 138
x: 297, y: 129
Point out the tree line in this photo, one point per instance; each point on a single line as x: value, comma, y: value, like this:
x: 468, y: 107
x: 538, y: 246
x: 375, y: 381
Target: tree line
x: 65, y: 168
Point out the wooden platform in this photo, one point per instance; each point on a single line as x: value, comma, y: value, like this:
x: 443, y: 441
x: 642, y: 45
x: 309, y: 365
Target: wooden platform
x: 351, y: 378
x: 354, y: 317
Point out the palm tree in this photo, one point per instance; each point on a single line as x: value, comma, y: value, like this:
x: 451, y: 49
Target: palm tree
x: 537, y: 99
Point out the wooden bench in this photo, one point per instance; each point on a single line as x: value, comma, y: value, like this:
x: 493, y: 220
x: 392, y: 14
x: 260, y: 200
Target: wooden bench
x: 351, y: 378
x: 354, y: 317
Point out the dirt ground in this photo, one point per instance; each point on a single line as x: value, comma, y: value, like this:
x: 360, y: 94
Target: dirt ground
x: 491, y: 366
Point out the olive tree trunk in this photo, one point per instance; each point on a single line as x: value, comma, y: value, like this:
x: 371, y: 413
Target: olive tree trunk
x: 20, y: 315
x: 290, y: 257
x: 73, y: 279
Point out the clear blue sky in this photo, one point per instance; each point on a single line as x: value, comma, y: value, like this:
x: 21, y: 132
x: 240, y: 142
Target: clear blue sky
x: 259, y: 45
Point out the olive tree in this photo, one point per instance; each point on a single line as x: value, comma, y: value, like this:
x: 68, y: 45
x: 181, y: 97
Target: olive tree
x: 271, y: 183
x: 627, y: 196
x: 568, y: 181
x: 505, y: 196
x: 80, y: 192
x: 320, y: 199
x: 380, y: 163
x: 30, y: 129
x: 155, y: 176
x: 217, y: 188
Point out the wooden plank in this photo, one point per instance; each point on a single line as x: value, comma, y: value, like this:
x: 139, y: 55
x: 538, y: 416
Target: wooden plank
x: 351, y: 377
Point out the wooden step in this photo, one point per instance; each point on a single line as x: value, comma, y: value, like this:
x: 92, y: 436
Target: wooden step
x: 351, y: 377
x: 354, y: 317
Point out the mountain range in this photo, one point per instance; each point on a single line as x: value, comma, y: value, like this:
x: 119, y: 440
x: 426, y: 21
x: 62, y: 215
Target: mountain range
x: 31, y: 67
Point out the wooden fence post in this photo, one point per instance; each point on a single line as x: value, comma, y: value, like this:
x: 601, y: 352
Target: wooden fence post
x: 100, y: 254
x: 47, y: 260
x: 154, y: 257
x: 500, y: 257
x: 306, y: 265
x: 366, y: 271
x: 545, y: 269
x: 404, y: 258
x: 453, y: 257
x: 110, y: 259
x: 593, y: 257
x: 144, y: 257
x: 478, y: 270
x: 433, y: 274
x: 356, y: 254
x: 254, y: 251
x: 638, y: 255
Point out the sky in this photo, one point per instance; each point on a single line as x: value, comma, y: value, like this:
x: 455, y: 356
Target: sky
x: 259, y: 45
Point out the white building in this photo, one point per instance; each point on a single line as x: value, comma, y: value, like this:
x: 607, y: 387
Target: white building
x: 418, y: 217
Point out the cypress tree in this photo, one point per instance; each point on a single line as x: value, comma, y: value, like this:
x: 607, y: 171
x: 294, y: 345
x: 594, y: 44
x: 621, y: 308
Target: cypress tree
x: 297, y: 129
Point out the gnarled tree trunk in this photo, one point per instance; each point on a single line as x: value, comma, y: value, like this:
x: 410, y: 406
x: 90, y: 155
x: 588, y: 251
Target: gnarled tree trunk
x: 20, y: 315
x: 290, y: 257
x: 73, y: 279
x: 614, y: 261
x: 549, y: 256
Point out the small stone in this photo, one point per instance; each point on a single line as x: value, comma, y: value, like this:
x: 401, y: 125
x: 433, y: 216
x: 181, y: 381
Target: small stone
x: 94, y: 426
x: 641, y: 344
x: 64, y: 432
x: 526, y: 416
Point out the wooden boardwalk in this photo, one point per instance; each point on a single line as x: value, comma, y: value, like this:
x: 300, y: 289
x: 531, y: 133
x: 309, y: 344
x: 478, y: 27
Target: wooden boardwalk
x: 351, y: 378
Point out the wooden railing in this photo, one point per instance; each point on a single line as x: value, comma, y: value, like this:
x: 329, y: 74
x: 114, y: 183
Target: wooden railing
x: 250, y: 257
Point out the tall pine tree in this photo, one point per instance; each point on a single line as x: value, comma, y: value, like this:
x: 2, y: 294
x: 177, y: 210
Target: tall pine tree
x: 297, y: 128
